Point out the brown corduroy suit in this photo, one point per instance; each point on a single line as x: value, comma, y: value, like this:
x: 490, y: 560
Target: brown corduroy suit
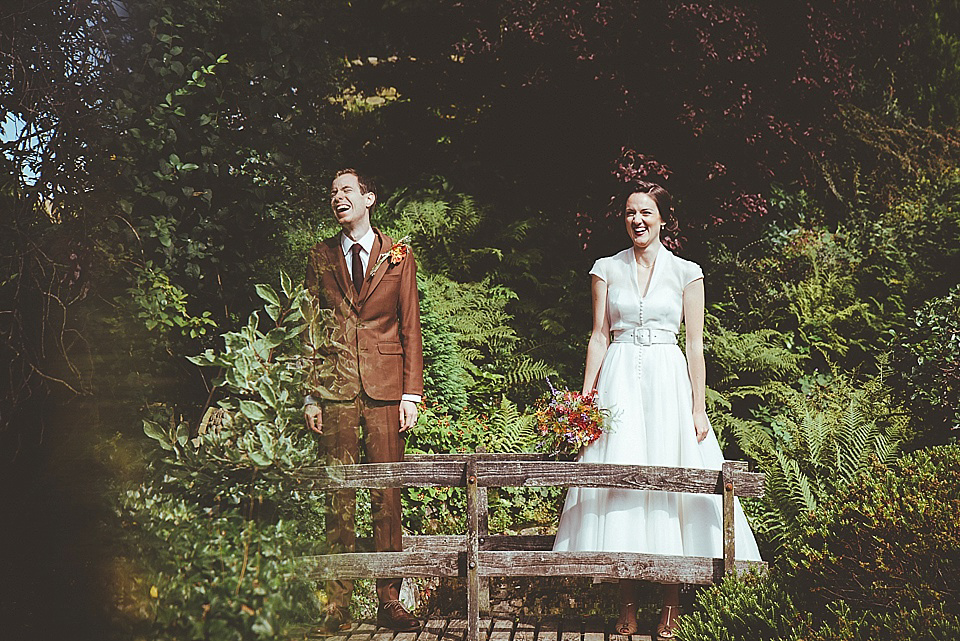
x: 380, y: 358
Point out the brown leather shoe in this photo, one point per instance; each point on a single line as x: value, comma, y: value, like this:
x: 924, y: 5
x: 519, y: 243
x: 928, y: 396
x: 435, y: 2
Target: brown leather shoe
x: 392, y: 615
x: 336, y: 620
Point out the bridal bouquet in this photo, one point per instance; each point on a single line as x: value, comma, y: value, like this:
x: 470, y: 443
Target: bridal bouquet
x: 567, y: 421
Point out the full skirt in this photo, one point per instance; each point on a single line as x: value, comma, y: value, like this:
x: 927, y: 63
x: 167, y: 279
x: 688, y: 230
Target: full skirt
x: 647, y: 392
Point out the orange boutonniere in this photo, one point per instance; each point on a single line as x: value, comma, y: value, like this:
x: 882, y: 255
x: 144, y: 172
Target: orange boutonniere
x: 395, y: 254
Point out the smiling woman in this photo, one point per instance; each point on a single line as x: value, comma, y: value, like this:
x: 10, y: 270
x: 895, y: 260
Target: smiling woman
x: 656, y: 398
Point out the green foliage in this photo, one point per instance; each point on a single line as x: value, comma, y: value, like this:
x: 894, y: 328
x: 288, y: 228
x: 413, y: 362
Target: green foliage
x: 927, y: 358
x: 817, y: 444
x: 804, y: 282
x: 213, y: 575
x: 746, y: 369
x: 160, y: 303
x: 504, y: 429
x: 745, y: 607
x: 888, y: 546
x: 220, y: 516
x: 474, y: 315
x: 474, y: 352
x: 878, y: 559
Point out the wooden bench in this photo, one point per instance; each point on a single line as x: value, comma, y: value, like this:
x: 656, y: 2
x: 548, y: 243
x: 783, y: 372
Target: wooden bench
x: 478, y: 555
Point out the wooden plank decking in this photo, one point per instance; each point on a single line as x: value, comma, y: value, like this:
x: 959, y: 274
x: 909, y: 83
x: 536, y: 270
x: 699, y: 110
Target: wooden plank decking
x: 495, y: 629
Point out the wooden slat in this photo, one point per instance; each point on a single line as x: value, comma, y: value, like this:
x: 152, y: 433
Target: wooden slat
x: 483, y: 529
x: 480, y: 456
x: 421, y: 543
x: 613, y: 636
x: 502, y: 630
x: 382, y: 634
x: 359, y: 565
x: 613, y: 565
x: 549, y: 630
x: 405, y: 636
x: 729, y: 536
x: 317, y: 632
x: 484, y: 629
x: 634, y: 477
x: 443, y: 473
x: 433, y: 630
x: 493, y: 473
x: 517, y: 542
x: 473, y: 551
x: 525, y: 631
x: 570, y: 630
x: 363, y: 631
x: 458, y: 542
x: 456, y: 630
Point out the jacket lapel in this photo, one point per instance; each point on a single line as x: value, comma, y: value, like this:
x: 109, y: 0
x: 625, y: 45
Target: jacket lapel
x: 336, y: 259
x: 382, y: 244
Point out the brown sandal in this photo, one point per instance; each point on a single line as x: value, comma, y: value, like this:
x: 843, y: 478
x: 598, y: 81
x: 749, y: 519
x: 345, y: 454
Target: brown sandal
x: 665, y: 628
x: 627, y: 622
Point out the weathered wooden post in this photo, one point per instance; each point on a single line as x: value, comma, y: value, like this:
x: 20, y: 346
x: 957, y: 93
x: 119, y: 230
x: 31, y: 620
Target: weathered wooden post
x: 473, y: 552
x: 729, y: 535
x: 483, y: 512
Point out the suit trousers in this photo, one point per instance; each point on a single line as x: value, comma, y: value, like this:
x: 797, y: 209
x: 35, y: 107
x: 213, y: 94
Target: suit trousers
x: 374, y: 426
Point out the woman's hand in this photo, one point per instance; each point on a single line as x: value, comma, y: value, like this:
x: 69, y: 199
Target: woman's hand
x: 701, y: 424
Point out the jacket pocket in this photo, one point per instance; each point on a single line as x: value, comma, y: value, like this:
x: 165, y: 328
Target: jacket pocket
x: 390, y: 348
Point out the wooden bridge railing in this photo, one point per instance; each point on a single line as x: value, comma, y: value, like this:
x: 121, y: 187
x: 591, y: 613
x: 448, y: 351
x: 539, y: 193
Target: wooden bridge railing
x: 478, y: 554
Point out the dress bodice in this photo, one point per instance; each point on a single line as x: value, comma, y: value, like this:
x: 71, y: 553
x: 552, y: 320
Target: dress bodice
x: 662, y: 307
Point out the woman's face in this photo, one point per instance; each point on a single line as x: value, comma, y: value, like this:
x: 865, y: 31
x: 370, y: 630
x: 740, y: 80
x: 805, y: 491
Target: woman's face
x: 642, y: 218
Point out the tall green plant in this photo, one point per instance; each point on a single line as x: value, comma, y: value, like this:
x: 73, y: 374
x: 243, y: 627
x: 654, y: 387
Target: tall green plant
x: 818, y: 444
x: 220, y: 516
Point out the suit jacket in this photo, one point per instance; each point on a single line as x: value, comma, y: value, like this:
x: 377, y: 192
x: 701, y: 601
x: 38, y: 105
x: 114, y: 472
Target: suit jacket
x: 378, y: 330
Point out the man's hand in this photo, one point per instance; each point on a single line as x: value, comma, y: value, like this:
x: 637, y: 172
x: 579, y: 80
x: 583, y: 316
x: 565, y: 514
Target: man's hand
x: 313, y: 416
x: 408, y: 415
x: 701, y: 424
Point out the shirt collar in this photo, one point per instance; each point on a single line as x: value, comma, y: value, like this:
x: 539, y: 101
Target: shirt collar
x: 366, y: 242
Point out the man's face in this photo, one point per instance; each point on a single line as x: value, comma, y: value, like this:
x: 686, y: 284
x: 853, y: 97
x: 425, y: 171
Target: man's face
x: 350, y: 205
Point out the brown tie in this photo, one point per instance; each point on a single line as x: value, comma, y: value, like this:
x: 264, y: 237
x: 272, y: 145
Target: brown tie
x: 357, y: 267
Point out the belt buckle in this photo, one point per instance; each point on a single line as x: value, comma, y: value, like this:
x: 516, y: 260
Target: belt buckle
x: 642, y: 336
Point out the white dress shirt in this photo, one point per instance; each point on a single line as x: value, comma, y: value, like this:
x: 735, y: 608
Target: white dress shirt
x: 366, y: 246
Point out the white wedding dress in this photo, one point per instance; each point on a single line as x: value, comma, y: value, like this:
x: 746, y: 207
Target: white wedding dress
x: 647, y: 390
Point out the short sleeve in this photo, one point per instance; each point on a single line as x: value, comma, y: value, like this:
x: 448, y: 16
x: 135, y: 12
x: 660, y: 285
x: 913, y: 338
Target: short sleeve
x: 691, y: 273
x: 599, y: 270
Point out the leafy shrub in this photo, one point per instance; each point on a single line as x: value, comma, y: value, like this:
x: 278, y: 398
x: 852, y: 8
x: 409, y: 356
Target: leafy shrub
x: 888, y: 545
x: 928, y: 364
x: 219, y: 518
x: 877, y: 560
x: 745, y: 607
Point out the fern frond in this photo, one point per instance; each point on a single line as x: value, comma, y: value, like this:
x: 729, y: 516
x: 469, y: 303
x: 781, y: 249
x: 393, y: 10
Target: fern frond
x: 511, y: 431
x: 527, y: 369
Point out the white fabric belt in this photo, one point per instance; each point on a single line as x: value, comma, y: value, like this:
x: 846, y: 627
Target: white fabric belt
x: 645, y: 336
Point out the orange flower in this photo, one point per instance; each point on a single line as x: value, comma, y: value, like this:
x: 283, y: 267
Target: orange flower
x: 397, y: 253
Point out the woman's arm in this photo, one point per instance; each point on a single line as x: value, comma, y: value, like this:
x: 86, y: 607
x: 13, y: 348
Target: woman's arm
x: 599, y: 337
x: 696, y: 365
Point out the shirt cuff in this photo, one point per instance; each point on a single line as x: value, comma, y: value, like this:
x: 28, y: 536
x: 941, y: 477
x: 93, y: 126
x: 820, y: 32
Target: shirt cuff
x: 413, y: 398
